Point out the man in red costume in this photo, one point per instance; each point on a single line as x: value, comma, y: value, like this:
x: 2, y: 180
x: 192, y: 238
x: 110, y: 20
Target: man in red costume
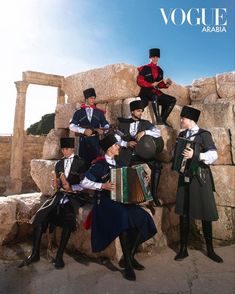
x: 150, y: 79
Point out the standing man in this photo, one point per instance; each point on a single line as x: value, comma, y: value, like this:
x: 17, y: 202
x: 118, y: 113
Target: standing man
x: 112, y: 219
x: 89, y: 122
x: 60, y: 209
x: 195, y: 198
x: 150, y: 79
x: 135, y: 129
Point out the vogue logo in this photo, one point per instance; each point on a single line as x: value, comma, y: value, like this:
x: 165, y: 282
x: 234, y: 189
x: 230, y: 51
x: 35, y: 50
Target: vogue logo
x: 212, y: 19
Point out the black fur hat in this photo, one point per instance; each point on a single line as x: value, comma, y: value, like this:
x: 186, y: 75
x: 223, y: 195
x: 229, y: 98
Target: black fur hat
x: 107, y: 142
x: 89, y: 93
x: 154, y: 52
x: 136, y: 104
x: 67, y: 142
x: 190, y: 112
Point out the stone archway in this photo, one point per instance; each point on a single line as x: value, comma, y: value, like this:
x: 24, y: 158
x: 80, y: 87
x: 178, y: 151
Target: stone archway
x: 14, y: 184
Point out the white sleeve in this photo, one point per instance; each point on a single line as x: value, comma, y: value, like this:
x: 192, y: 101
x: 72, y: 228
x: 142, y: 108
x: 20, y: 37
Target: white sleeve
x: 154, y: 132
x: 76, y: 128
x: 77, y: 187
x: 88, y: 184
x: 208, y: 157
x: 120, y: 142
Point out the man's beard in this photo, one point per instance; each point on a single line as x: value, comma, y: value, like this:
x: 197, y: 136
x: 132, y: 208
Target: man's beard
x: 136, y: 117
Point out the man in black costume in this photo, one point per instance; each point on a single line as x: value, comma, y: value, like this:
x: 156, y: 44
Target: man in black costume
x: 112, y: 219
x: 195, y: 198
x: 62, y: 207
x: 150, y: 79
x: 89, y: 123
x: 134, y: 130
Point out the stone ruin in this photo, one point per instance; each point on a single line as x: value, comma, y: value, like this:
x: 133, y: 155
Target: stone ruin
x: 116, y: 87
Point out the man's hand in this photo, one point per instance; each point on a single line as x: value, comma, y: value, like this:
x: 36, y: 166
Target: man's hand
x: 131, y: 144
x: 88, y: 132
x: 108, y: 186
x: 155, y: 84
x: 100, y: 131
x: 168, y: 82
x: 139, y: 135
x: 188, y: 153
x: 67, y: 187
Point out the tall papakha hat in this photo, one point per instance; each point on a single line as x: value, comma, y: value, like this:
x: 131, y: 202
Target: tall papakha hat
x: 154, y: 52
x: 107, y: 142
x: 90, y: 92
x: 190, y: 112
x: 136, y: 104
x: 67, y: 143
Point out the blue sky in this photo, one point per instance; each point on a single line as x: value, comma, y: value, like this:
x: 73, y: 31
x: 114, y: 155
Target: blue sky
x: 68, y: 36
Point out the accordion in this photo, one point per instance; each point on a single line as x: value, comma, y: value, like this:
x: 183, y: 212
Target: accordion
x: 181, y: 164
x: 132, y: 184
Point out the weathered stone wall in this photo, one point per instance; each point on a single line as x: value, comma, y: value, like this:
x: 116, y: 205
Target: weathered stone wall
x: 33, y: 146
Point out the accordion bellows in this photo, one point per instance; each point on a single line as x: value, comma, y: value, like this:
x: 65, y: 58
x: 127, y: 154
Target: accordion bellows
x: 132, y: 184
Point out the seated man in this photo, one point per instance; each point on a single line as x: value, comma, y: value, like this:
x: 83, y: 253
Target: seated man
x: 89, y: 122
x: 112, y: 219
x: 61, y: 208
x: 151, y: 81
x: 131, y: 130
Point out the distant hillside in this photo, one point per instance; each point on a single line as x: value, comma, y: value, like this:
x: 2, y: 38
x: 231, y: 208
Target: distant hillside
x: 42, y: 127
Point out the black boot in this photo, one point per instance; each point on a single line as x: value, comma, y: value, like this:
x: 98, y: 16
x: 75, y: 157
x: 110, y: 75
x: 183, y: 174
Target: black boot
x: 207, y: 231
x: 59, y: 263
x: 184, y: 231
x: 129, y: 273
x: 166, y: 113
x: 155, y: 178
x: 35, y: 255
x: 156, y: 111
x: 136, y: 241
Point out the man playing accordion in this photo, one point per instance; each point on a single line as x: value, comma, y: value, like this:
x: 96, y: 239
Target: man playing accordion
x: 195, y: 198
x: 112, y: 219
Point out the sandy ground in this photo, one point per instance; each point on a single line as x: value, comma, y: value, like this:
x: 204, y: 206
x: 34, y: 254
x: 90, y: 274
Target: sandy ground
x: 197, y: 274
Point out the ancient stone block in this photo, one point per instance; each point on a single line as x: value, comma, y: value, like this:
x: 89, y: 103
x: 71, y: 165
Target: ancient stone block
x: 203, y: 89
x: 41, y: 171
x: 8, y: 226
x: 232, y: 133
x: 224, y: 177
x: 51, y: 148
x: 225, y: 84
x: 220, y: 114
x: 113, y: 111
x: 63, y: 115
x: 112, y: 82
x: 221, y: 137
x: 181, y: 93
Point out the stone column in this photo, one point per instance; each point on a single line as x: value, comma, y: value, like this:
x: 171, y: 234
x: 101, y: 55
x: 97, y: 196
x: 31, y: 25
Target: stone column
x: 15, y: 182
x: 60, y: 96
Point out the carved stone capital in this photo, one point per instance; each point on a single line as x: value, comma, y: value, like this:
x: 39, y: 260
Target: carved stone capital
x: 21, y: 86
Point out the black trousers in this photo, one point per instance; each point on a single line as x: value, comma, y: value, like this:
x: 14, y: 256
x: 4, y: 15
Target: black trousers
x: 164, y: 100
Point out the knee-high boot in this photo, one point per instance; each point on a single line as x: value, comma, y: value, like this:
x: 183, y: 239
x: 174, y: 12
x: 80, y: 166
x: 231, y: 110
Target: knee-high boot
x: 129, y: 273
x: 35, y: 255
x: 136, y: 241
x: 207, y: 231
x: 155, y: 178
x: 167, y: 112
x: 184, y: 231
x: 59, y: 263
x: 156, y: 111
